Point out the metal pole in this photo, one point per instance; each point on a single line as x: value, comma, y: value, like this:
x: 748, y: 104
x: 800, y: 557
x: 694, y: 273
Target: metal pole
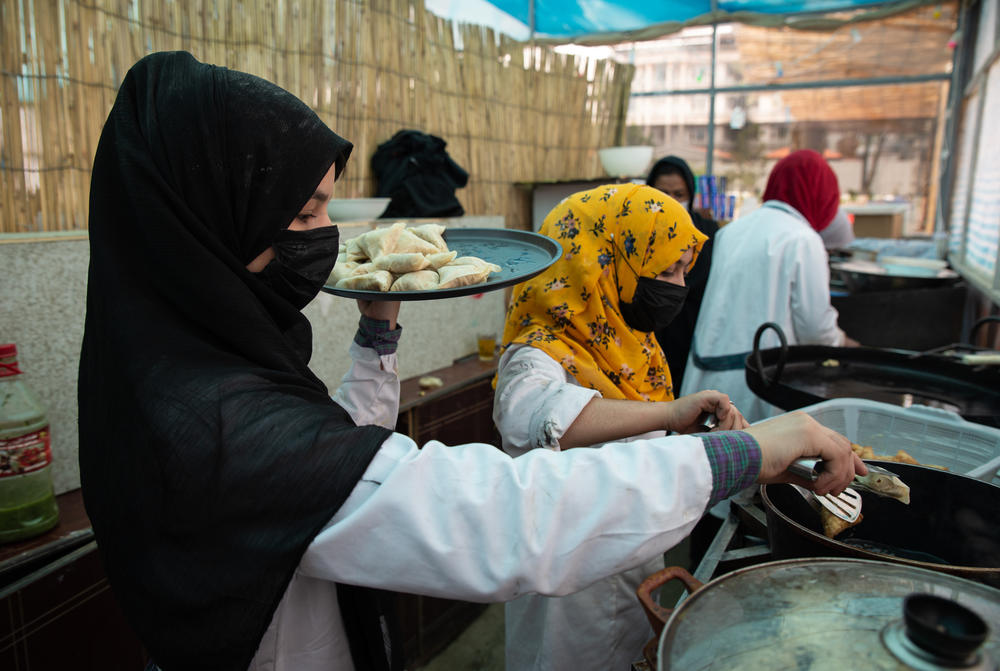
x: 531, y: 21
x: 711, y: 95
x: 952, y: 123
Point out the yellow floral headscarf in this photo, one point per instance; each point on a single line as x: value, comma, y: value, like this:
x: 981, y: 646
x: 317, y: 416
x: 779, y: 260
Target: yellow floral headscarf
x: 609, y: 235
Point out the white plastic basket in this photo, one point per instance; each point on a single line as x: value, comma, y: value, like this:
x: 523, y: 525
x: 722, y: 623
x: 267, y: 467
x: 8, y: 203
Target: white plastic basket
x: 929, y: 435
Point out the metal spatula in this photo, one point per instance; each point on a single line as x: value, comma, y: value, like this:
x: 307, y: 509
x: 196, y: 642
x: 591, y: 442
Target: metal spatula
x: 846, y: 505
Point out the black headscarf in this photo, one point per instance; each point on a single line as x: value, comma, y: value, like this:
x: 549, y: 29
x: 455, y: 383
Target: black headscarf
x: 210, y: 455
x: 675, y: 339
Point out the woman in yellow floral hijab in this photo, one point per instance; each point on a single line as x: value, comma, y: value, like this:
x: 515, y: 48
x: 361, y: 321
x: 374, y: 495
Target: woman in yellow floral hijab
x: 611, y: 236
x: 582, y: 368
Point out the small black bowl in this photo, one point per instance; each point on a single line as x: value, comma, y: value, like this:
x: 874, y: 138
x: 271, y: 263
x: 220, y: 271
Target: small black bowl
x: 943, y: 627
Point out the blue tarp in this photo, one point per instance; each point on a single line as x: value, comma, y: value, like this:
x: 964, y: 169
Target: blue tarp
x: 605, y: 20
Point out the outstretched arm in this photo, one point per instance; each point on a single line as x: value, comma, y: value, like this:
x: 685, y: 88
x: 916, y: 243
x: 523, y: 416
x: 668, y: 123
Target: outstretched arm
x: 469, y: 522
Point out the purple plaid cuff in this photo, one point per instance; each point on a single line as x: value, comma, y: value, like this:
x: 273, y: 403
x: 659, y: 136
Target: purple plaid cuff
x: 735, y: 459
x: 375, y: 334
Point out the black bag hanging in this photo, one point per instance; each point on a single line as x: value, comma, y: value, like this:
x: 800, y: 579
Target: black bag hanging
x: 414, y: 170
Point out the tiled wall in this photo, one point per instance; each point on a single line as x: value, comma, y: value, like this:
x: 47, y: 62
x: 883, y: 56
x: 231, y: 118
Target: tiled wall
x: 43, y: 289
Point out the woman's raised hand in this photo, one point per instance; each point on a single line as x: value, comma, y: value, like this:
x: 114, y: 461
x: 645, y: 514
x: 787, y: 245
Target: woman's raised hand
x: 794, y: 435
x: 683, y: 412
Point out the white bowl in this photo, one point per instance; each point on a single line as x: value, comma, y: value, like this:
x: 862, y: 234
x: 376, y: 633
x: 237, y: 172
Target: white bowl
x: 356, y: 209
x: 626, y: 161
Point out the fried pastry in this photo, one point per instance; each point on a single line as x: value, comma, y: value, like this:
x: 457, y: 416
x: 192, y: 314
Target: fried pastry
x: 380, y: 241
x: 460, y: 275
x: 833, y: 525
x: 435, y: 261
x: 353, y: 251
x: 398, y: 258
x: 420, y: 280
x: 378, y: 280
x: 432, y: 233
x: 884, y: 484
x: 349, y: 269
x: 477, y: 262
x: 399, y: 263
x: 408, y: 243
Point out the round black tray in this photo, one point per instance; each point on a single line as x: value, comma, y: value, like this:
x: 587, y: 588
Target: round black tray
x: 520, y: 254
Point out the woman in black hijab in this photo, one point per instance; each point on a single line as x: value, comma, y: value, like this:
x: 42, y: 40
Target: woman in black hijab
x: 673, y: 176
x: 246, y: 519
x: 193, y: 368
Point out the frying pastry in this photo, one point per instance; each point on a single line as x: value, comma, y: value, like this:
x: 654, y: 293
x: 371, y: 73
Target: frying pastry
x: 833, y: 525
x: 892, y: 487
x: 420, y: 280
x: 863, y: 451
x: 889, y: 486
x: 901, y: 456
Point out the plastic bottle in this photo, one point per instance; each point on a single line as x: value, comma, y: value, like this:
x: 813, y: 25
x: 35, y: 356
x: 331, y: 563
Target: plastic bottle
x: 27, y: 500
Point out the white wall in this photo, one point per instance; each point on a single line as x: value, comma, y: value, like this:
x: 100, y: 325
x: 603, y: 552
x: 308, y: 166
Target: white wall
x: 43, y: 290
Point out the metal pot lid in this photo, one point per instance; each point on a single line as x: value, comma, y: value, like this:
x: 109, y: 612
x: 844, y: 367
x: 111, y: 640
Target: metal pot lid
x: 818, y: 614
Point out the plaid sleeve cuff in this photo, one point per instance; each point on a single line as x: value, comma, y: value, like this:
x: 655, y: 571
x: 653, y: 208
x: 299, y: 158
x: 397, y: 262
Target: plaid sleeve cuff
x: 375, y: 334
x: 735, y: 459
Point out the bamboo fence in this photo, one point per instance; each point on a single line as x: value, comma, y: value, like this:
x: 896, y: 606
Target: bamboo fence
x: 510, y: 113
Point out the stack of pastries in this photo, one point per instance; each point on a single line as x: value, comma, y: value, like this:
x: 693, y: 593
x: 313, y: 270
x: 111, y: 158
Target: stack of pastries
x: 401, y: 258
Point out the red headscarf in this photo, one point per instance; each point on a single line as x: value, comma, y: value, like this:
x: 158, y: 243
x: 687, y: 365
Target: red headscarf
x: 805, y: 181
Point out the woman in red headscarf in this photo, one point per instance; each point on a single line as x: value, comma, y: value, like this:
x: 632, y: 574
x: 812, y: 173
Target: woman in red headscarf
x: 768, y: 266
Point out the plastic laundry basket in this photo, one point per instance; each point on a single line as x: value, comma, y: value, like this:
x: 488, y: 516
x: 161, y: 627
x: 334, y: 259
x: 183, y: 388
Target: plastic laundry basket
x: 929, y: 435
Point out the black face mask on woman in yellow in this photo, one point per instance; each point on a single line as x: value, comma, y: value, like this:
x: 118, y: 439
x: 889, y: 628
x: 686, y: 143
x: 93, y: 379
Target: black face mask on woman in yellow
x: 654, y: 305
x: 302, y: 263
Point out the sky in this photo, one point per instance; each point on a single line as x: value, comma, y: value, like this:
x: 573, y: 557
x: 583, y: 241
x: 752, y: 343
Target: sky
x: 481, y: 12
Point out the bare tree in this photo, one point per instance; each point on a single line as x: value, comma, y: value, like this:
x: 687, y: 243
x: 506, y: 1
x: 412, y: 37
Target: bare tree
x: 873, y: 143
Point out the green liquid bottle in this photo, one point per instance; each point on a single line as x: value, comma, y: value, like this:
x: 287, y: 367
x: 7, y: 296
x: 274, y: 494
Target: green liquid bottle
x: 27, y: 500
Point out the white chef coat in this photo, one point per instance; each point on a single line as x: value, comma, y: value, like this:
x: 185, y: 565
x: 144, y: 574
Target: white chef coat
x: 769, y: 266
x: 469, y: 522
x: 601, y: 627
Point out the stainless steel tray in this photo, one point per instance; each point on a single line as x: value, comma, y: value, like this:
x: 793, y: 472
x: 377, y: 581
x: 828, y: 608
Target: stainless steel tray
x: 520, y: 254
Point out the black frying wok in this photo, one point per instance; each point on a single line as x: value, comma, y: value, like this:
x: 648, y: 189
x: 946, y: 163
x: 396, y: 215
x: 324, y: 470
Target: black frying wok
x: 801, y: 375
x: 952, y: 525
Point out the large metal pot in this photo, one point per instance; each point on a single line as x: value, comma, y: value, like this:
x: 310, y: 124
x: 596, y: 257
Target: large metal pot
x: 952, y: 525
x: 824, y: 613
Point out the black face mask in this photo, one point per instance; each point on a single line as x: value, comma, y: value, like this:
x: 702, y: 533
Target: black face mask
x: 302, y: 263
x: 654, y: 305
